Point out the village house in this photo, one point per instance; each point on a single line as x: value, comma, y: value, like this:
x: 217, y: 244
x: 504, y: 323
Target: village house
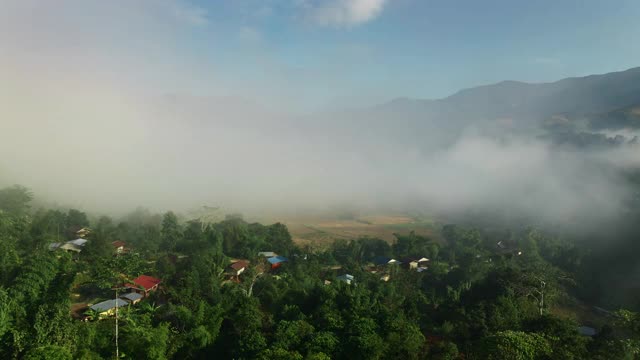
x: 119, y: 246
x: 347, y: 278
x: 108, y: 307
x: 132, y: 298
x: 409, y: 263
x: 143, y: 284
x: 74, y: 245
x: 238, y: 267
x: 71, y: 247
x: 371, y: 269
x: 276, y: 261
x: 84, y: 232
x: 384, y: 260
x: 415, y: 263
x: 78, y: 242
x: 267, y: 254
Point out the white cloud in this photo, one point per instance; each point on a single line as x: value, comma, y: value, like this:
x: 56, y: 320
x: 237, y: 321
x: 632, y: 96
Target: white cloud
x: 189, y: 13
x: 343, y: 12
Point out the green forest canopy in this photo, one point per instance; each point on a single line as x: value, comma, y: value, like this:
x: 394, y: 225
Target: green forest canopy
x: 513, y: 293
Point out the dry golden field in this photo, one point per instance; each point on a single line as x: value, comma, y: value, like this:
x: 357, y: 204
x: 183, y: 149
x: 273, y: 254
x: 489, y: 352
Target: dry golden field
x: 319, y: 231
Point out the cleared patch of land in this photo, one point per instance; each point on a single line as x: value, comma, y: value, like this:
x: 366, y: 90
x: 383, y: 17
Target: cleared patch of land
x: 320, y: 231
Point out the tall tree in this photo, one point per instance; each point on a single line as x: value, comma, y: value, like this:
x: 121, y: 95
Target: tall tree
x: 100, y: 239
x: 15, y: 200
x: 77, y: 219
x: 171, y: 232
x: 280, y: 239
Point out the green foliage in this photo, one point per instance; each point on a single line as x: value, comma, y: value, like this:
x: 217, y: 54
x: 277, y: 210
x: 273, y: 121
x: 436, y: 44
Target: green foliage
x: 146, y: 342
x: 9, y: 257
x: 563, y: 336
x: 49, y: 352
x: 514, y: 345
x: 630, y: 320
x: 444, y: 351
x: 99, y: 244
x: 363, y: 339
x: 171, y: 233
x: 403, y: 340
x: 279, y: 353
x: 6, y: 307
x: 77, y: 219
x: 279, y: 238
x: 413, y: 245
x: 15, y: 200
x: 476, y: 300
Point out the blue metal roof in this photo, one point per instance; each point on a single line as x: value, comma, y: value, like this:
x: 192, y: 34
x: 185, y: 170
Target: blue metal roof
x: 277, y: 259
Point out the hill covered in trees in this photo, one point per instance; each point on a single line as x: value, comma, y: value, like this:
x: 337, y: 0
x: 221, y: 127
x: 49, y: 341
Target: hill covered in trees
x: 232, y: 289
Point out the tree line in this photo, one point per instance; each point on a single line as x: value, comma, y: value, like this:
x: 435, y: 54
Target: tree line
x: 484, y: 295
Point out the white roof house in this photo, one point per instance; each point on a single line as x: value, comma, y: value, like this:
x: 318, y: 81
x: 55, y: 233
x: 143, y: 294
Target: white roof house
x: 346, y: 278
x: 267, y: 254
x: 70, y: 247
x: 78, y: 242
x: 73, y: 245
x: 107, y: 307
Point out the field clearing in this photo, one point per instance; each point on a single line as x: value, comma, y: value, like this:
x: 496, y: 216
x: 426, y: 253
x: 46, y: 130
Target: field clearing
x: 319, y: 232
x: 582, y: 313
x: 387, y: 220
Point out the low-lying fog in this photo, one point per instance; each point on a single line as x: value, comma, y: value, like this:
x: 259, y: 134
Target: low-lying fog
x: 81, y: 127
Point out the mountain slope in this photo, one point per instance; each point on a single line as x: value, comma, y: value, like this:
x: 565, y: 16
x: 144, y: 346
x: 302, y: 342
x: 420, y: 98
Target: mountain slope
x: 525, y: 103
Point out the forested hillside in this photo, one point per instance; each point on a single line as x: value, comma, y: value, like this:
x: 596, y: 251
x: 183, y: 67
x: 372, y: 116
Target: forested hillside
x: 579, y: 109
x: 238, y: 290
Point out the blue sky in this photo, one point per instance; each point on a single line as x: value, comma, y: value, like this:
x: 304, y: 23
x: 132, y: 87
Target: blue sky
x: 312, y: 54
x: 417, y: 48
x: 80, y: 81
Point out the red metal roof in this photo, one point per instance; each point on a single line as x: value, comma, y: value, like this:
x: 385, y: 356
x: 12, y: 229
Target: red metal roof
x: 239, y: 265
x: 145, y: 281
x: 118, y: 243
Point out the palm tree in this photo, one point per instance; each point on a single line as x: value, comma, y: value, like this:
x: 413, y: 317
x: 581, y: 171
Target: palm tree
x: 91, y: 314
x: 148, y: 308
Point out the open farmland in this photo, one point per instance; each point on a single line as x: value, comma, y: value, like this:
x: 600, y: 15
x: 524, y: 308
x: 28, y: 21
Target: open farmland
x: 319, y: 231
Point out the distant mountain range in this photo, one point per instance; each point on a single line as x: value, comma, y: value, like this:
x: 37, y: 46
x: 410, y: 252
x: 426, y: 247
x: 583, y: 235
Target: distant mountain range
x: 569, y: 111
x: 609, y: 101
x: 579, y: 111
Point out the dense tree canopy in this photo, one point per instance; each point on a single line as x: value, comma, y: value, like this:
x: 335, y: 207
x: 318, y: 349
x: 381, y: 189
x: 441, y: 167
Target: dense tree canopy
x: 483, y: 294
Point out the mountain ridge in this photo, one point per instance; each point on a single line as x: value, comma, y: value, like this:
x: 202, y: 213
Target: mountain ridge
x: 515, y: 82
x: 530, y: 104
